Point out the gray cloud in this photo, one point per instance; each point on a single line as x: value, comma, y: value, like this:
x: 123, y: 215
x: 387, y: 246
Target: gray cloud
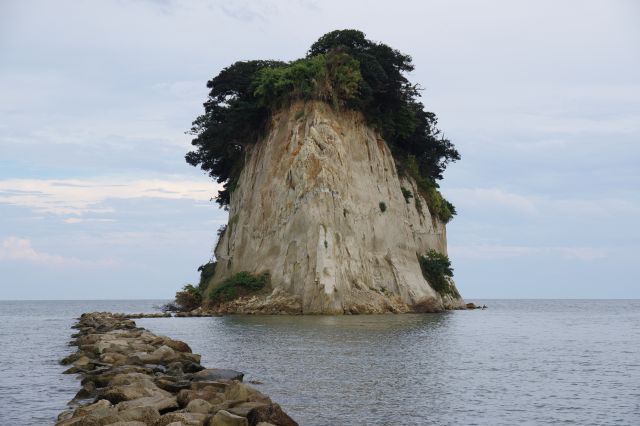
x: 541, y: 97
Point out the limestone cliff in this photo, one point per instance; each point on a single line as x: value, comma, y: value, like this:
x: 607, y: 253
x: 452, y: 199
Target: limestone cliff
x: 319, y: 205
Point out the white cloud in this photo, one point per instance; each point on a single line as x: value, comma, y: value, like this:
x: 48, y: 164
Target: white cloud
x: 72, y: 220
x: 14, y: 249
x: 498, y: 200
x: 188, y: 89
x: 80, y: 196
x: 492, y: 198
x: 493, y: 252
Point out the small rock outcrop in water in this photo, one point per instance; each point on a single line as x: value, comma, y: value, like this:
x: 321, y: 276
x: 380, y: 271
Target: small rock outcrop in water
x: 307, y: 210
x: 132, y: 377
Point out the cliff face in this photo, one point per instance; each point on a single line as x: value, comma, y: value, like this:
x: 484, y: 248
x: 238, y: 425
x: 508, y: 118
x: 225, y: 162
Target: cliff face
x: 308, y: 209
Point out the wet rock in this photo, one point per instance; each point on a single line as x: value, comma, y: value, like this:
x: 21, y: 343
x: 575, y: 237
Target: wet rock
x: 71, y: 358
x: 144, y: 414
x: 191, y: 367
x: 92, y: 414
x: 215, y: 374
x: 103, y: 379
x: 271, y: 414
x: 244, y: 408
x: 88, y: 390
x: 127, y: 388
x: 82, y: 362
x: 186, y: 419
x: 187, y: 357
x: 220, y: 385
x: 113, y: 358
x: 198, y: 406
x: 72, y: 370
x: 173, y: 386
x: 163, y: 355
x: 428, y: 305
x: 176, y: 345
x: 132, y: 378
x: 174, y: 369
x: 209, y: 394
x: 159, y: 402
x: 79, y: 421
x: 97, y: 408
x: 237, y: 391
x: 67, y: 414
x: 148, y: 315
x: 225, y: 418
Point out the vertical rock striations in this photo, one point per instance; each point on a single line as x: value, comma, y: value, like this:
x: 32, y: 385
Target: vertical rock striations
x: 320, y: 206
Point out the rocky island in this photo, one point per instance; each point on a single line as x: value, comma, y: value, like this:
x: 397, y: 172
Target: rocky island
x: 329, y: 166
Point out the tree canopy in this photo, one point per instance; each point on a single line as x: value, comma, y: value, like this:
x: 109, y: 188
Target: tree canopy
x: 342, y: 68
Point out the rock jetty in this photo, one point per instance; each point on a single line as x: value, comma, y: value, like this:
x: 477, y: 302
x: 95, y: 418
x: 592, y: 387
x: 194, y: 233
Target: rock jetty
x: 132, y: 377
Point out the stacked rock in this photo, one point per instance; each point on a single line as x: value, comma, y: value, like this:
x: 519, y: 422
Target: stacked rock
x: 132, y: 377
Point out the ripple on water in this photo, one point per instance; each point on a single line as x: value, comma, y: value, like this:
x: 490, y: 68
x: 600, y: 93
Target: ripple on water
x: 518, y: 362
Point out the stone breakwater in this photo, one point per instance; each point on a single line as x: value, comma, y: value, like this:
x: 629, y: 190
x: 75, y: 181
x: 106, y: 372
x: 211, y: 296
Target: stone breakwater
x: 132, y: 377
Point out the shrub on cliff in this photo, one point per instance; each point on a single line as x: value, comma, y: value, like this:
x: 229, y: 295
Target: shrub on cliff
x: 389, y: 101
x: 206, y: 272
x: 233, y: 118
x: 240, y: 284
x: 438, y: 205
x: 342, y: 68
x: 332, y: 77
x: 187, y: 299
x: 436, y: 269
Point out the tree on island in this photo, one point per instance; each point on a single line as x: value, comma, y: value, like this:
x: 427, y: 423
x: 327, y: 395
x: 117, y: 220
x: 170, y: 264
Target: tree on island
x: 344, y: 69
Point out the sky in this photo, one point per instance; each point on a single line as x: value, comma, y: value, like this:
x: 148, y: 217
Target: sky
x: 541, y: 98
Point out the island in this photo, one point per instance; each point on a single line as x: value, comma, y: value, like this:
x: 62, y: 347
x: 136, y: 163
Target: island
x: 329, y: 167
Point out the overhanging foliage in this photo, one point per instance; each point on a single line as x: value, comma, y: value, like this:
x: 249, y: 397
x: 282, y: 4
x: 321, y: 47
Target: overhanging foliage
x: 344, y: 69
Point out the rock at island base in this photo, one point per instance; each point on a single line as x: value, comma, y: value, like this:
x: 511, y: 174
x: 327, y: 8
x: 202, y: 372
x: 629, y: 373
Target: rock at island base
x: 271, y: 414
x: 225, y: 418
x: 215, y: 374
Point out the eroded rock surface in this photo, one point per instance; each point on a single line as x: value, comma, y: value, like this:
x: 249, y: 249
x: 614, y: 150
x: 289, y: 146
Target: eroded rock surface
x: 132, y: 377
x: 320, y: 206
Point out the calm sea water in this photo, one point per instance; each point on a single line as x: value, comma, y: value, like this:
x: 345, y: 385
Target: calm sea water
x: 518, y: 362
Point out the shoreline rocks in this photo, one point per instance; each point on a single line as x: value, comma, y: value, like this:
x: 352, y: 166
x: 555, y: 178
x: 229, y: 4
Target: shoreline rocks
x: 145, y: 315
x: 276, y: 303
x: 474, y: 306
x: 132, y: 377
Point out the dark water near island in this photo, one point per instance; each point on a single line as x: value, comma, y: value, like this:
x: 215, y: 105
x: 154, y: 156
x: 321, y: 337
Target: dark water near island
x: 537, y: 362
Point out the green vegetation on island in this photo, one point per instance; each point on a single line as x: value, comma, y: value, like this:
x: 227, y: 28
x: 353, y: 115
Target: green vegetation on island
x: 240, y: 284
x: 187, y: 299
x: 344, y: 69
x: 437, y: 270
x: 206, y: 273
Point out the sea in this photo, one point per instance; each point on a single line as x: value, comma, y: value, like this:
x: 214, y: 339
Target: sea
x: 518, y: 362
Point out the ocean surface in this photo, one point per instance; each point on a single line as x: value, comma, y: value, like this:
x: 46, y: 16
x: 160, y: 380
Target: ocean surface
x: 539, y: 362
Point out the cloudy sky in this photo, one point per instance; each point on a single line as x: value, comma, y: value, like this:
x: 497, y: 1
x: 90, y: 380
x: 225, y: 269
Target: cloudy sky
x: 542, y: 98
